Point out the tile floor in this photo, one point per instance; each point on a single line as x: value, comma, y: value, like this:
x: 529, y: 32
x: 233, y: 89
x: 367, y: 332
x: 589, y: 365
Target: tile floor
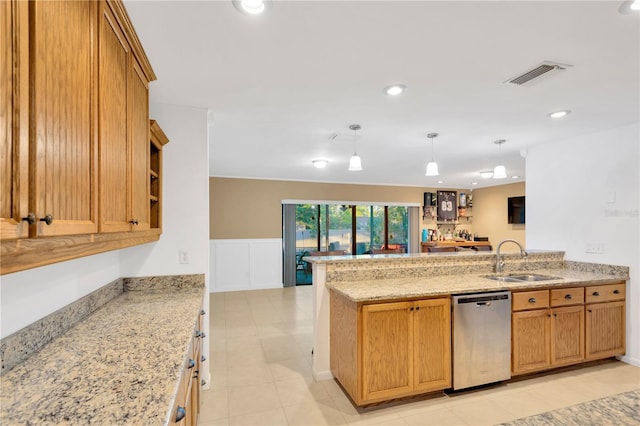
x: 261, y: 375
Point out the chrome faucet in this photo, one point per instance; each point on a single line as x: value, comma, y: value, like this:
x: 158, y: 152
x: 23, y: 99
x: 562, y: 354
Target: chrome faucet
x: 499, y: 260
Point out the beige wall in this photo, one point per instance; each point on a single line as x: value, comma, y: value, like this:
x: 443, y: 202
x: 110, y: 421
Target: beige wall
x: 490, y: 214
x: 250, y: 208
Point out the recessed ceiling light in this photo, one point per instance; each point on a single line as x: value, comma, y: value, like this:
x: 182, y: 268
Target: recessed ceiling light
x: 395, y: 89
x: 320, y: 164
x: 440, y: 181
x: 252, y: 7
x: 515, y: 177
x: 474, y: 183
x: 560, y: 114
x: 628, y: 7
x: 486, y: 174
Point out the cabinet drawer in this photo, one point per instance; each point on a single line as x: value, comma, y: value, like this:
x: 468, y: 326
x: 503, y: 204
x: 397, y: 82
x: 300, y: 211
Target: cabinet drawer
x: 567, y: 296
x: 605, y: 293
x: 530, y: 300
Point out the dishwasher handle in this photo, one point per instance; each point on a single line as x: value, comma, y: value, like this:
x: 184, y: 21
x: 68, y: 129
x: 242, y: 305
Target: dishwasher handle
x: 480, y: 304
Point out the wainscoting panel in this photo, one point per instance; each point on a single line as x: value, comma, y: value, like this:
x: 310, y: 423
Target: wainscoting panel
x: 245, y: 264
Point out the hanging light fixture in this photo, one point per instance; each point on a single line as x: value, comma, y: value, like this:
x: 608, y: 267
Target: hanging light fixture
x: 499, y: 172
x: 355, y: 163
x: 432, y: 166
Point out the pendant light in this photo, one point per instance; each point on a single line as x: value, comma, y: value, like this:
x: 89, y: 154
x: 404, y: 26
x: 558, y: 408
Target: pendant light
x: 355, y: 164
x: 499, y: 172
x: 432, y: 166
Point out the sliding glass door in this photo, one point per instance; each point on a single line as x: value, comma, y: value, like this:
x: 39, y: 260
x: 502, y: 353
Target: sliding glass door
x: 351, y: 229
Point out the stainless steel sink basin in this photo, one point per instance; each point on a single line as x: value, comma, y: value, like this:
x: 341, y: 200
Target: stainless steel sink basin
x: 519, y: 277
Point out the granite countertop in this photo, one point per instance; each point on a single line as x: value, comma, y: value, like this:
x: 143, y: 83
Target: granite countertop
x: 403, y: 288
x: 120, y: 365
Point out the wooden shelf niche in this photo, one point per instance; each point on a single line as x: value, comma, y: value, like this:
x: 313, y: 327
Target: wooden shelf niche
x: 158, y: 139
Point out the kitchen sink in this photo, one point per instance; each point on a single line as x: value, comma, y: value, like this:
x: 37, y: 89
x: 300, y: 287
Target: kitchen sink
x: 520, y: 277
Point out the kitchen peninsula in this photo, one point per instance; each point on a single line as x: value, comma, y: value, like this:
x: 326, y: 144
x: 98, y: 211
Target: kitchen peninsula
x: 344, y: 284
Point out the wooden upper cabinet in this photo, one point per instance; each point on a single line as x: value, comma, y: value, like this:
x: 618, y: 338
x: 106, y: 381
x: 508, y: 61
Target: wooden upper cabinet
x: 74, y: 132
x: 114, y: 57
x: 138, y: 126
x: 14, y: 119
x: 64, y: 106
x: 124, y: 132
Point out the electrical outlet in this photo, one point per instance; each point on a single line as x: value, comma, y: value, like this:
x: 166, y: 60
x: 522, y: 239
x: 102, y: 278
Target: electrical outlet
x: 595, y: 248
x: 183, y: 256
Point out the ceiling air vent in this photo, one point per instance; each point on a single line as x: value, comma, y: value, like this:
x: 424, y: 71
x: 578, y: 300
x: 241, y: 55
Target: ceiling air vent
x: 537, y: 74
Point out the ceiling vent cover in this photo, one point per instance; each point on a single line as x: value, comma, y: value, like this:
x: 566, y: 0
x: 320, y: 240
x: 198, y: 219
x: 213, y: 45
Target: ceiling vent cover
x: 537, y: 74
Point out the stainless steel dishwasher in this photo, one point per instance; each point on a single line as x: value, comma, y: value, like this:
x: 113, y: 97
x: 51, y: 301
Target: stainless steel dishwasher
x: 481, y: 339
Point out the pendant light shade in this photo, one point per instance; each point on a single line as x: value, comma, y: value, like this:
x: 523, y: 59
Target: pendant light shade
x: 432, y: 169
x: 499, y: 172
x: 432, y: 166
x: 355, y: 163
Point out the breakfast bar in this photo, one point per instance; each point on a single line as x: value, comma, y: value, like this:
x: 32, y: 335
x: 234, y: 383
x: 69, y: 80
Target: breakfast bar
x: 344, y: 284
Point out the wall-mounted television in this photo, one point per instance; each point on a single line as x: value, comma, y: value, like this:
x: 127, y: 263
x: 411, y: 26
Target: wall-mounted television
x: 515, y: 212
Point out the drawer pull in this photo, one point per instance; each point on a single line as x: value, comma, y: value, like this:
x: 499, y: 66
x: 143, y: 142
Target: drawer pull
x: 180, y: 413
x: 595, y: 293
x: 616, y: 291
x: 532, y: 300
x: 567, y: 296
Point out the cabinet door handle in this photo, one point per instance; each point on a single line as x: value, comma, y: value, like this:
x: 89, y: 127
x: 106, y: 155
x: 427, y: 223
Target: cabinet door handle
x: 202, y: 312
x: 567, y: 296
x: 180, y: 413
x: 417, y: 308
x: 203, y: 358
x: 31, y: 218
x: 133, y: 221
x: 548, y: 315
x: 555, y: 315
x: 532, y: 300
x: 588, y: 310
x: 595, y: 293
x: 48, y: 219
x: 192, y: 363
x: 616, y: 291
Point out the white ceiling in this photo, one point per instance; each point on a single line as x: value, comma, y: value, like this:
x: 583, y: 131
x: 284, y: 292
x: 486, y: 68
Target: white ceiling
x: 279, y: 85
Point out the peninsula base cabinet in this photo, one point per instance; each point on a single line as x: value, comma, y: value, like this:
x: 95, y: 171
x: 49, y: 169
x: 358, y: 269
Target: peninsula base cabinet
x: 554, y: 327
x: 384, y: 351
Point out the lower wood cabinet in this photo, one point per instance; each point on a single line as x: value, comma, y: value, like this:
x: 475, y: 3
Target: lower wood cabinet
x: 390, y: 350
x: 557, y: 329
x: 605, y: 328
x: 187, y: 405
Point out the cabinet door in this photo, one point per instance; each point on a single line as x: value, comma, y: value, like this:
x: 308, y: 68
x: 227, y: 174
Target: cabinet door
x: 63, y: 139
x: 14, y: 119
x: 138, y: 125
x: 432, y: 344
x: 567, y: 335
x: 530, y: 341
x: 387, y: 350
x: 114, y: 54
x: 605, y: 330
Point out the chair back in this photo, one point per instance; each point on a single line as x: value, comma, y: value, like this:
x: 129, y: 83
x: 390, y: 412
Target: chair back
x: 328, y: 253
x: 386, y: 251
x: 441, y: 249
